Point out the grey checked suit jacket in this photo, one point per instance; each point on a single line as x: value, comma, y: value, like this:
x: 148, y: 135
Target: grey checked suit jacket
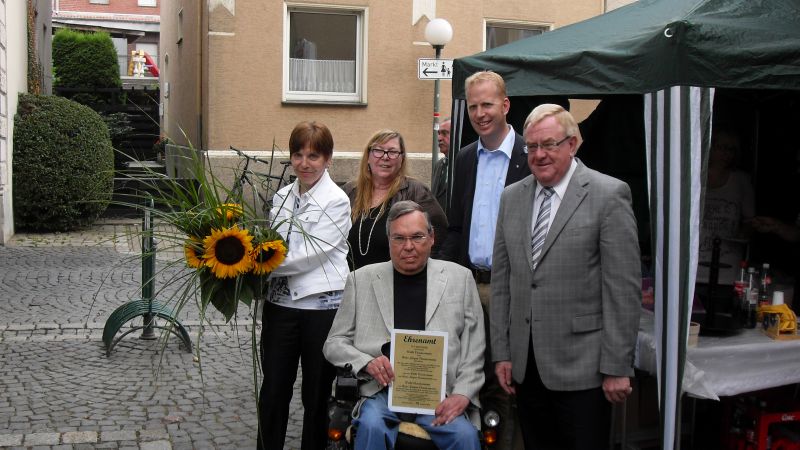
x: 366, y: 316
x: 581, y: 305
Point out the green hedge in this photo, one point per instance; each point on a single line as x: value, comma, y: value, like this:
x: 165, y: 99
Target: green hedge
x: 85, y: 60
x: 63, y: 166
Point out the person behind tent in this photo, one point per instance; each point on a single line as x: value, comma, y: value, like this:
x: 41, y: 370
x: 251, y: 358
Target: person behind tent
x: 728, y: 207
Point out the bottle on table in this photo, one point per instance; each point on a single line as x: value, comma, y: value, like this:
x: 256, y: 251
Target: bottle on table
x: 765, y: 287
x: 752, y: 297
x: 739, y: 306
x: 740, y: 283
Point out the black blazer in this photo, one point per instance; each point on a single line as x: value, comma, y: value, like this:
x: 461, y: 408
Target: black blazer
x: 459, y: 217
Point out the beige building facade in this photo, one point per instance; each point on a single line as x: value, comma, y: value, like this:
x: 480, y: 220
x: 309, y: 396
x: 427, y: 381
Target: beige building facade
x: 244, y: 73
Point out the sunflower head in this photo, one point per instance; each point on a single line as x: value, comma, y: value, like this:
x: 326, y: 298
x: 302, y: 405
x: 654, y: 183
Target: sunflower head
x: 193, y: 250
x: 230, y: 211
x: 228, y: 252
x: 267, y: 256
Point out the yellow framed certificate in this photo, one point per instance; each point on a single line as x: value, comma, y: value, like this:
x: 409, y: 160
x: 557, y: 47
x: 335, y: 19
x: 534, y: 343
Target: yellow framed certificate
x: 419, y: 361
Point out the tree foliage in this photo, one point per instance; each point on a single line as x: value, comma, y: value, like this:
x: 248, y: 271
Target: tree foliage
x: 85, y: 60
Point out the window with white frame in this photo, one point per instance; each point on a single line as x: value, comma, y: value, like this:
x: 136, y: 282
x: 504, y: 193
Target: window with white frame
x: 502, y: 33
x: 324, y: 50
x: 98, y: 2
x: 148, y: 3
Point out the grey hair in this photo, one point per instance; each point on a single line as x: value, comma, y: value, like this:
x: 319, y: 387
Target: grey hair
x: 402, y: 208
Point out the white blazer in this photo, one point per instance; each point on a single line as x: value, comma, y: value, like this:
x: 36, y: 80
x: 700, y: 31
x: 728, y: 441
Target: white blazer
x: 317, y: 257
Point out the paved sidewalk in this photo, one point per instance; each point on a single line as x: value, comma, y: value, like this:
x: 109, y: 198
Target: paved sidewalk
x: 58, y: 390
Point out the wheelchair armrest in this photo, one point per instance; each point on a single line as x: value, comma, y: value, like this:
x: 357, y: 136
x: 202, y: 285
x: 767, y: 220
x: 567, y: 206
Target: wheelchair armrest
x: 344, y: 371
x: 346, y: 386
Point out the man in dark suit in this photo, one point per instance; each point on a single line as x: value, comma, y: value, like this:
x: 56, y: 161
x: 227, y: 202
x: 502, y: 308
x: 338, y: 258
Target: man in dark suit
x: 439, y: 178
x: 476, y: 203
x: 482, y: 169
x: 566, y: 290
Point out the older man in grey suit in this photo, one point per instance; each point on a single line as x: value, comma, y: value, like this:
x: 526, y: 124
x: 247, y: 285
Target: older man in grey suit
x: 565, y: 290
x: 410, y: 292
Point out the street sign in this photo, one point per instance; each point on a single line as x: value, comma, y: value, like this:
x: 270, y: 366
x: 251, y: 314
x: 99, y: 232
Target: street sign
x: 434, y: 69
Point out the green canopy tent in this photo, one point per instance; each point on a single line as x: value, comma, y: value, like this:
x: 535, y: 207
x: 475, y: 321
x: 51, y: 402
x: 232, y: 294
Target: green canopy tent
x: 671, y: 57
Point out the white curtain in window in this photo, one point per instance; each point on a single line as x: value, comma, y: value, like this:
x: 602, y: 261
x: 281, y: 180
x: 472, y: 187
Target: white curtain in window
x: 322, y: 75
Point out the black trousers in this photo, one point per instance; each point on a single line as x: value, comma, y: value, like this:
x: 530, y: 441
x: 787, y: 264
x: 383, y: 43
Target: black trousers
x: 289, y: 335
x: 561, y: 420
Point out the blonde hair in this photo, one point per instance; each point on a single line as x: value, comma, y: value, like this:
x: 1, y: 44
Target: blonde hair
x: 363, y: 200
x: 563, y: 117
x: 486, y: 75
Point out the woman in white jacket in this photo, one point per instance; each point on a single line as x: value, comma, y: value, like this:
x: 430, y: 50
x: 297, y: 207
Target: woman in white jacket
x: 313, y: 215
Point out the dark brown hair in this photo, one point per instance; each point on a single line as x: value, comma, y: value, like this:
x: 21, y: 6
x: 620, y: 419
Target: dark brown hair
x: 314, y: 134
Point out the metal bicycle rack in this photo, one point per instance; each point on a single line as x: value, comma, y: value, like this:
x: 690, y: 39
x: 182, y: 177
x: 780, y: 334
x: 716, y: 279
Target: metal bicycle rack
x: 146, y: 307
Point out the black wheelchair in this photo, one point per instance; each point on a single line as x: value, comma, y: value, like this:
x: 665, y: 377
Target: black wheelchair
x: 341, y: 432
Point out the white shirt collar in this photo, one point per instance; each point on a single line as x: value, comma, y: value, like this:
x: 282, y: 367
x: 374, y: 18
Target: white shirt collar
x: 310, y: 192
x: 507, y: 146
x: 561, y: 187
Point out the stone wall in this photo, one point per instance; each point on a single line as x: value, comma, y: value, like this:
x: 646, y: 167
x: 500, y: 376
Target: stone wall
x: 224, y: 165
x: 344, y: 166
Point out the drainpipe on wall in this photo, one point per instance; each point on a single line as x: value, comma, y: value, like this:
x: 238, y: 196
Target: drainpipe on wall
x: 200, y: 66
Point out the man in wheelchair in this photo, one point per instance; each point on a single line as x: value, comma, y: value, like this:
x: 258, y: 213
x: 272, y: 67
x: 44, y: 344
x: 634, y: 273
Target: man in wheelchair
x: 413, y: 292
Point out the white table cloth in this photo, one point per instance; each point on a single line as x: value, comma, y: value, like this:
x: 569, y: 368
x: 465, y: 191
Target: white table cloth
x: 727, y: 365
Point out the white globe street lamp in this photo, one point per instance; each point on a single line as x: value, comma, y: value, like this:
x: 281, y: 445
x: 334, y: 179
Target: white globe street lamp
x: 438, y: 33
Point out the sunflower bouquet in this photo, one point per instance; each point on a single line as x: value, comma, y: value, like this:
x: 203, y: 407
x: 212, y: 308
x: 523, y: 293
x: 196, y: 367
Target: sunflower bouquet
x: 231, y: 249
x: 231, y: 256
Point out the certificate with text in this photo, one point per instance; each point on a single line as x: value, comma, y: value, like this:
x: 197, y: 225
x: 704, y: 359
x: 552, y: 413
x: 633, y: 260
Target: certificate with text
x: 419, y: 360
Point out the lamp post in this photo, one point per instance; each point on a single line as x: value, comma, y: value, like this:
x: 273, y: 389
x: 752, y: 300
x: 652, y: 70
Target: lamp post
x: 438, y: 33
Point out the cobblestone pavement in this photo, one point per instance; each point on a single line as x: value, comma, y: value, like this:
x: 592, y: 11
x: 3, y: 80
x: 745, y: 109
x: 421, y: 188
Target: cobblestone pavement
x: 58, y: 390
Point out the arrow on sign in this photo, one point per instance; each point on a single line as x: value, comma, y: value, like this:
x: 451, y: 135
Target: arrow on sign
x: 434, y: 69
